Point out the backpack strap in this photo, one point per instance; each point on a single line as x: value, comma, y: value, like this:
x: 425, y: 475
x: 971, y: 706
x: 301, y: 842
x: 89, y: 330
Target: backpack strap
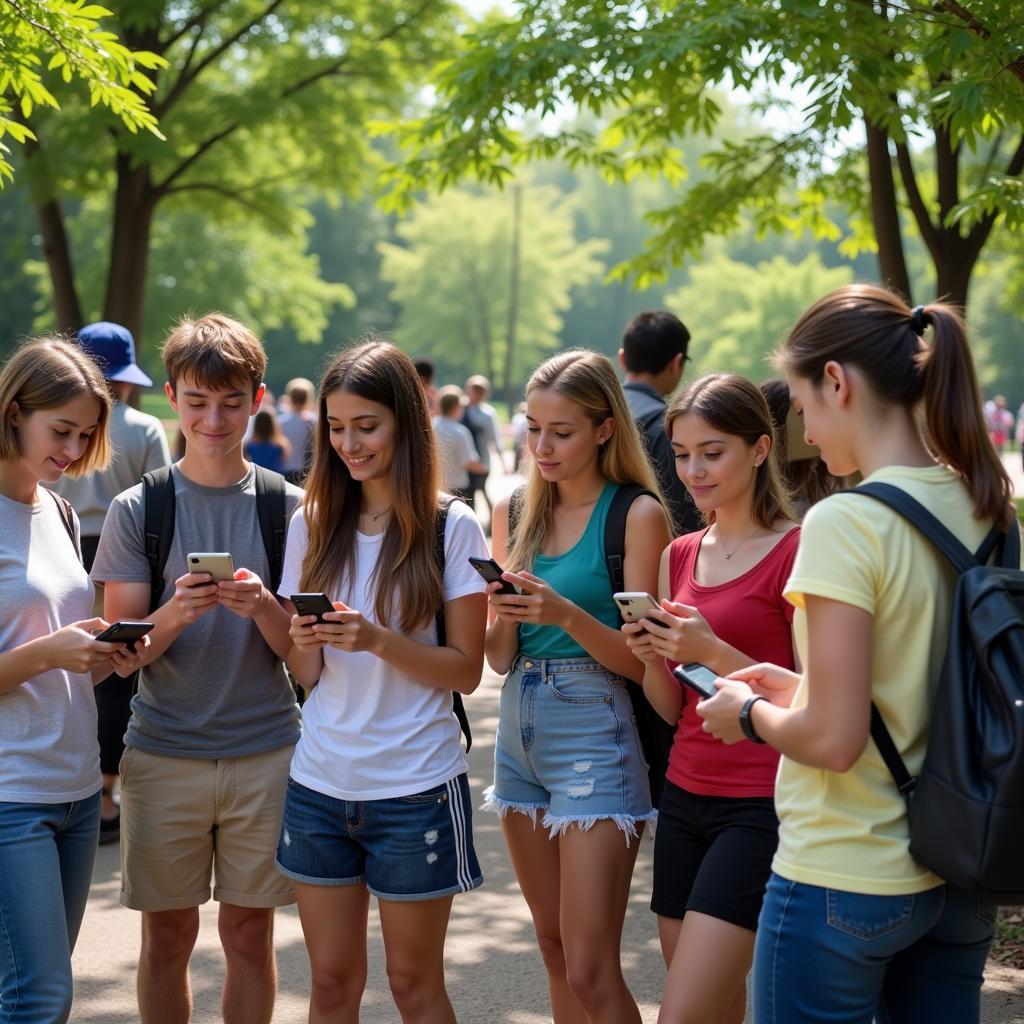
x: 272, y: 510
x: 158, y: 527
x: 67, y: 517
x: 615, y: 533
x: 905, y: 782
x: 440, y: 525
x: 917, y: 515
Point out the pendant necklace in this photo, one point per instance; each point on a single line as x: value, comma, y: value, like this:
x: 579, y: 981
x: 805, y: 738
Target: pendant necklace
x: 729, y: 554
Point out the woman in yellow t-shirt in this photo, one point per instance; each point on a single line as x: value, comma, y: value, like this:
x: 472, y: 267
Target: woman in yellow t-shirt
x: 852, y: 928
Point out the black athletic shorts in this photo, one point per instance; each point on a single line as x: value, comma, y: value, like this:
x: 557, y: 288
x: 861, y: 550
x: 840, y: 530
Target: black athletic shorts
x: 713, y: 854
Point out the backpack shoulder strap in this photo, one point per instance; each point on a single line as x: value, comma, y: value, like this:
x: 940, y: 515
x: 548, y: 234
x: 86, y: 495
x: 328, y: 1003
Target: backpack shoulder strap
x: 917, y: 515
x: 615, y: 533
x: 158, y: 527
x: 272, y: 510
x: 444, y: 504
x: 67, y: 517
x: 905, y: 782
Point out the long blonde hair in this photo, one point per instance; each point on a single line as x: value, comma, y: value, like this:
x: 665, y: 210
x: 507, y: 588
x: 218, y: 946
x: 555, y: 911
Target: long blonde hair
x: 406, y: 577
x: 586, y: 378
x: 43, y: 374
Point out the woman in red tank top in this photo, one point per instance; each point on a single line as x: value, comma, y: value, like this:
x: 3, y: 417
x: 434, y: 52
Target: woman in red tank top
x: 721, y: 606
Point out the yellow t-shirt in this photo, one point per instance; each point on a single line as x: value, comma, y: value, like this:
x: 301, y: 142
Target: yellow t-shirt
x: 849, y: 830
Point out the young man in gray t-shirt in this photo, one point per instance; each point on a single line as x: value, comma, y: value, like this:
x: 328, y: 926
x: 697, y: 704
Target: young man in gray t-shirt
x: 215, y: 720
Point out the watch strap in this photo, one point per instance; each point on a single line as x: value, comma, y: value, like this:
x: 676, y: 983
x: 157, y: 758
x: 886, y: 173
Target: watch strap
x: 746, y: 724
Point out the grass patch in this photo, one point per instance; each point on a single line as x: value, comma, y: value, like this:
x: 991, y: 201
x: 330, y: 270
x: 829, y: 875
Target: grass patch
x: 1008, y: 947
x: 155, y: 403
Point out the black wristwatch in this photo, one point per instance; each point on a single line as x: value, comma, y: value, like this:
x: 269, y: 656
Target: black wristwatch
x: 746, y: 724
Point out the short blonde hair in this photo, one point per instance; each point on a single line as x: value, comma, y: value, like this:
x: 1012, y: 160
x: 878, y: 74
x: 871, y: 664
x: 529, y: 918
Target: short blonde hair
x: 45, y: 373
x: 216, y: 352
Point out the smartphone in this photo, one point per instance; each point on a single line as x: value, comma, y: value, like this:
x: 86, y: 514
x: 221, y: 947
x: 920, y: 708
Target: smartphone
x: 698, y: 678
x: 124, y: 633
x: 217, y: 563
x: 491, y: 571
x: 313, y: 604
x: 634, y: 604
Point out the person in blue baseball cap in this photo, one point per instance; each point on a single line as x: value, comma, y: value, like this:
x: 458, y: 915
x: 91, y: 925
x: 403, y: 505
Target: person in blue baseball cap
x: 139, y: 445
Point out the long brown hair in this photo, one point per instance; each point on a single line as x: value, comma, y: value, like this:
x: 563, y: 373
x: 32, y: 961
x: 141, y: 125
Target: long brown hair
x: 405, y: 578
x: 47, y: 372
x: 586, y: 378
x: 876, y: 331
x: 735, y: 406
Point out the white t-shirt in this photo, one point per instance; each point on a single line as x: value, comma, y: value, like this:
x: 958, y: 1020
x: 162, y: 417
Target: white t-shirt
x: 370, y: 732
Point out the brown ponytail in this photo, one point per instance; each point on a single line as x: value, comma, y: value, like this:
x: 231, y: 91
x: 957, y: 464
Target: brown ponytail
x: 873, y: 329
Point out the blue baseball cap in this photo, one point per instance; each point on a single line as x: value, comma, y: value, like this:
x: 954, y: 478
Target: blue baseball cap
x: 113, y: 348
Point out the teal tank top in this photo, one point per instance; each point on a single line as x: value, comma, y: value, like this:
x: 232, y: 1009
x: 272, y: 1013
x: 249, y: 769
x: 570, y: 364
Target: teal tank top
x: 580, y: 575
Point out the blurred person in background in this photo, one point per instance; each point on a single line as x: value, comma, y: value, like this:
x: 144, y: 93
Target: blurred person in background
x: 296, y: 424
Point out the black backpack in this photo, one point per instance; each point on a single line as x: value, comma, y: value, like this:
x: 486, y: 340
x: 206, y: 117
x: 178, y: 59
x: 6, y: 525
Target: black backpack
x: 966, y: 808
x: 443, y: 506
x: 158, y: 502
x: 656, y: 735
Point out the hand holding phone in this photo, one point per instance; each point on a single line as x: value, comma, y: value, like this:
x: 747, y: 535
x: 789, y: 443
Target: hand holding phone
x: 698, y: 678
x: 313, y: 604
x: 217, y: 563
x: 124, y: 632
x: 491, y: 571
x: 634, y: 604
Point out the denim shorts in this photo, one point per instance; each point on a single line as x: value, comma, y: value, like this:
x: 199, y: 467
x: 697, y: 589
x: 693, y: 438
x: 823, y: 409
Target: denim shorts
x: 417, y: 847
x: 568, y: 745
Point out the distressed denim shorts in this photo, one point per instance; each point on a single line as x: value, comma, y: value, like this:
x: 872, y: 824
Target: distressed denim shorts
x: 568, y: 745
x: 417, y: 847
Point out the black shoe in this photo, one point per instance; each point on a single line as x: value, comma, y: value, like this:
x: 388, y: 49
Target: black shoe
x: 110, y: 830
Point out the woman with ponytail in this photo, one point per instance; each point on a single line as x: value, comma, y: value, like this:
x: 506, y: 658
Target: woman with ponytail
x: 846, y: 902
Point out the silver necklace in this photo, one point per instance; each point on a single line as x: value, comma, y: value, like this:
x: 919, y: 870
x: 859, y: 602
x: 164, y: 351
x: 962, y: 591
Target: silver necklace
x: 376, y: 515
x: 729, y: 554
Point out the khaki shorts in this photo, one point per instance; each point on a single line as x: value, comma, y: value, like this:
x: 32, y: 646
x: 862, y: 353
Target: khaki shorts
x: 184, y: 818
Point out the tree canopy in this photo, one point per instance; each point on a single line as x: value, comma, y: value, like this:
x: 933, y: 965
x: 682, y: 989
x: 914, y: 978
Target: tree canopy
x: 909, y: 109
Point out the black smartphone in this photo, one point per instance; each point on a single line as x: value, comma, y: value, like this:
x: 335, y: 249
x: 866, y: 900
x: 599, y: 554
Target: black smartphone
x: 698, y: 678
x: 491, y: 571
x: 313, y: 604
x: 124, y: 633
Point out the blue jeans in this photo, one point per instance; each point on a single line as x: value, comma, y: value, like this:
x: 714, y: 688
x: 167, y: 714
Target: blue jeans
x: 46, y: 857
x: 824, y: 956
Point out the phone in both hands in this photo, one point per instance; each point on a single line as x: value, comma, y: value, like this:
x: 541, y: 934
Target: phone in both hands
x: 313, y: 604
x: 491, y: 571
x: 634, y: 604
x: 217, y: 563
x: 698, y: 678
x: 124, y: 632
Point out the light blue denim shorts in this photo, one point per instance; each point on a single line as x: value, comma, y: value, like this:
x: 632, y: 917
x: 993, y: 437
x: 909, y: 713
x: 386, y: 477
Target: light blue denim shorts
x: 568, y: 745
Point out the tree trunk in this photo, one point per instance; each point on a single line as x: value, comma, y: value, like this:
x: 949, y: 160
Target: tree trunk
x: 508, y: 382
x: 57, y: 251
x: 892, y: 263
x: 953, y: 269
x: 134, y: 203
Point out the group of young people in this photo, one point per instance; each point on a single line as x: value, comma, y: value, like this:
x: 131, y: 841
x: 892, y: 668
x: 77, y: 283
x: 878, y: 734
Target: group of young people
x: 781, y: 840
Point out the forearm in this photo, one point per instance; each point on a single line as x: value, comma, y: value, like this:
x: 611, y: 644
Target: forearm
x: 274, y: 624
x: 663, y: 693
x: 501, y: 644
x: 605, y: 645
x: 23, y: 663
x: 305, y: 666
x: 803, y: 736
x: 723, y: 658
x: 167, y: 627
x: 447, y: 668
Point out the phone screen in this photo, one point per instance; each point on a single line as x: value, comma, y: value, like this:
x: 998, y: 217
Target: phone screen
x: 698, y: 678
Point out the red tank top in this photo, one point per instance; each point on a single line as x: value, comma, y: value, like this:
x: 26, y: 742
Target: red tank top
x: 750, y: 614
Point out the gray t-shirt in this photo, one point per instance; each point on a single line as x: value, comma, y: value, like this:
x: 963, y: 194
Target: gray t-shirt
x: 48, y: 748
x: 140, y: 445
x: 455, y: 448
x: 218, y: 690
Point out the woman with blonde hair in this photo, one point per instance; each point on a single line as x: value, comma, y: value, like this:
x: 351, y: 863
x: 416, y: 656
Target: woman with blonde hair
x: 54, y: 406
x: 378, y: 798
x: 567, y: 746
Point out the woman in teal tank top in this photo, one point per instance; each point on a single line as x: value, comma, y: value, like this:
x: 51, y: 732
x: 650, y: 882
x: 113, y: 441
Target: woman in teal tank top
x: 567, y: 747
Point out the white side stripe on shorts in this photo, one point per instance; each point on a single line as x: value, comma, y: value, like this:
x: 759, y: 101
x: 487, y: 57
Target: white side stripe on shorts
x: 459, y: 828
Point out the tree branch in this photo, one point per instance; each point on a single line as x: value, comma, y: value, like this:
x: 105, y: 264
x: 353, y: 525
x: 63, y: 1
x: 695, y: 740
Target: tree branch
x: 916, y: 201
x: 199, y: 18
x: 234, y: 196
x: 1016, y: 67
x: 947, y: 171
x: 979, y: 233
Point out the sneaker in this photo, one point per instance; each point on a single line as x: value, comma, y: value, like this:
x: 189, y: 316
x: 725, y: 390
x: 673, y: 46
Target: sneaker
x: 110, y: 830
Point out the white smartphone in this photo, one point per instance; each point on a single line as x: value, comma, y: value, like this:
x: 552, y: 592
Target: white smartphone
x: 217, y: 563
x: 634, y: 604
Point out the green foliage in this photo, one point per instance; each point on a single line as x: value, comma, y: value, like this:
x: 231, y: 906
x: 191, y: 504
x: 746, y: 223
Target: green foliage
x: 652, y: 69
x: 998, y: 329
x: 451, y: 275
x: 68, y: 36
x: 738, y: 313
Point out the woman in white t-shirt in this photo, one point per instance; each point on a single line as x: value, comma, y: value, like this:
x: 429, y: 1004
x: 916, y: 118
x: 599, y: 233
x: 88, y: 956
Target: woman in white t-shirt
x: 852, y: 928
x: 54, y: 409
x: 378, y: 799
